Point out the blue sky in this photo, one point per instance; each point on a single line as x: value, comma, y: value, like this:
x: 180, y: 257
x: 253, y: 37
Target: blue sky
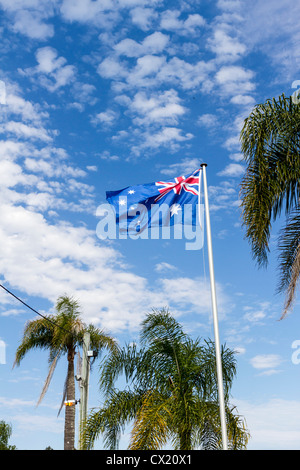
x: 99, y: 95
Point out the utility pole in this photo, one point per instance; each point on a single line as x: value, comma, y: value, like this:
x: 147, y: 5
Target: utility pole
x: 84, y: 384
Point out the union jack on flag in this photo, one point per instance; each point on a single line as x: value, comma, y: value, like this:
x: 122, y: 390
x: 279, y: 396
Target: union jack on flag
x: 155, y: 204
x: 190, y: 184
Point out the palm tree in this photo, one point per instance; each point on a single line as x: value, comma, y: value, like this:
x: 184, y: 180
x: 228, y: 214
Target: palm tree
x: 62, y: 334
x: 173, y: 392
x: 271, y: 146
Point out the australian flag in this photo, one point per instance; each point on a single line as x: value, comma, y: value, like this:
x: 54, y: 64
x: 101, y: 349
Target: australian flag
x: 163, y: 203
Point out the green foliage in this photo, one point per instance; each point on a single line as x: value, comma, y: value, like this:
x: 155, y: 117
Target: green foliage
x: 271, y: 147
x: 5, y: 433
x: 172, y: 394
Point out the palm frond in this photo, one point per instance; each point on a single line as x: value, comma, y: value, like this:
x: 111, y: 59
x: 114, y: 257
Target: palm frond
x: 49, y: 377
x: 150, y: 430
x: 238, y: 434
x: 118, y: 410
x: 64, y: 395
x: 289, y: 258
x: 207, y: 433
x: 119, y: 361
x: 38, y: 333
x: 92, y: 429
x: 270, y: 144
x: 160, y: 325
x: 100, y: 340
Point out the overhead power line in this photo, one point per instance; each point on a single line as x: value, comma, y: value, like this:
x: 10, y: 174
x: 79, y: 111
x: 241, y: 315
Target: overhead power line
x: 35, y: 311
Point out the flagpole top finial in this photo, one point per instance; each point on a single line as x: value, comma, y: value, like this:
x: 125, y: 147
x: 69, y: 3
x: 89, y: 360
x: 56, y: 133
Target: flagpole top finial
x: 203, y: 164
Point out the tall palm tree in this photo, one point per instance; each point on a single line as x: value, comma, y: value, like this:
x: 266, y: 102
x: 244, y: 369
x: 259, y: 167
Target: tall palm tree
x: 62, y: 334
x: 172, y: 395
x: 271, y: 147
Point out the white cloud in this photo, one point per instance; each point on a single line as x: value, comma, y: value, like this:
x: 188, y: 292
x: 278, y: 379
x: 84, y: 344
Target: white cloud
x: 106, y: 117
x: 110, y: 67
x: 92, y: 168
x: 153, y: 70
x: 47, y: 60
x: 51, y: 169
x: 28, y: 17
x: 227, y: 48
x: 10, y: 149
x: 208, y: 120
x: 170, y: 21
x: 273, y: 28
x: 146, y: 71
x: 31, y: 24
x: 143, y: 17
x: 229, y: 5
x: 223, y: 197
x: 255, y: 316
x: 244, y: 100
x: 52, y: 70
x: 163, y: 266
x: 11, y: 175
x: 232, y: 170
x: 234, y: 79
x: 86, y: 10
x: 27, y: 422
x: 180, y: 292
x: 2, y: 92
x: 15, y: 402
x: 273, y: 424
x: 266, y: 361
x: 33, y: 171
x: 269, y: 27
x: 231, y: 73
x: 167, y: 137
x: 186, y: 75
x: 237, y: 157
x: 104, y: 13
x: 16, y: 104
x: 258, y: 313
x: 25, y: 131
x: 106, y: 155
x: 185, y: 167
x: 152, y: 44
x: 84, y: 93
x: 162, y: 107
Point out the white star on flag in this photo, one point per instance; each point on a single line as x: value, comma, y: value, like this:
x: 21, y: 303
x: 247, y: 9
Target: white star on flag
x: 174, y: 209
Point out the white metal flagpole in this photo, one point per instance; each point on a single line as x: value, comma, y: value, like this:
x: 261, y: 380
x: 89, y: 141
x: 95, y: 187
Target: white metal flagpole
x: 215, y: 313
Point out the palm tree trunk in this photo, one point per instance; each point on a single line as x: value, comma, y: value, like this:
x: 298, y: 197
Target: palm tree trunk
x: 69, y: 436
x: 185, y: 438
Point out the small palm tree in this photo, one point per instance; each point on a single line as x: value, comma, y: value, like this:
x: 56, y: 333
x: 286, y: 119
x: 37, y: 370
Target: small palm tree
x: 271, y: 147
x: 173, y: 392
x: 62, y: 334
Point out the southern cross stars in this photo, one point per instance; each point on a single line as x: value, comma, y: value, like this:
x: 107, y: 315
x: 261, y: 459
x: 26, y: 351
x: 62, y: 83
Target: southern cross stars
x: 174, y: 209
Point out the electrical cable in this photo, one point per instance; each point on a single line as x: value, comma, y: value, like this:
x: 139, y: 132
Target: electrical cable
x: 38, y: 313
x: 35, y: 311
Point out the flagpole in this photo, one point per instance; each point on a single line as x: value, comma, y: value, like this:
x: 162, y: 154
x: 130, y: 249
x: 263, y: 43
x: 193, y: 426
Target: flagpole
x: 215, y: 314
